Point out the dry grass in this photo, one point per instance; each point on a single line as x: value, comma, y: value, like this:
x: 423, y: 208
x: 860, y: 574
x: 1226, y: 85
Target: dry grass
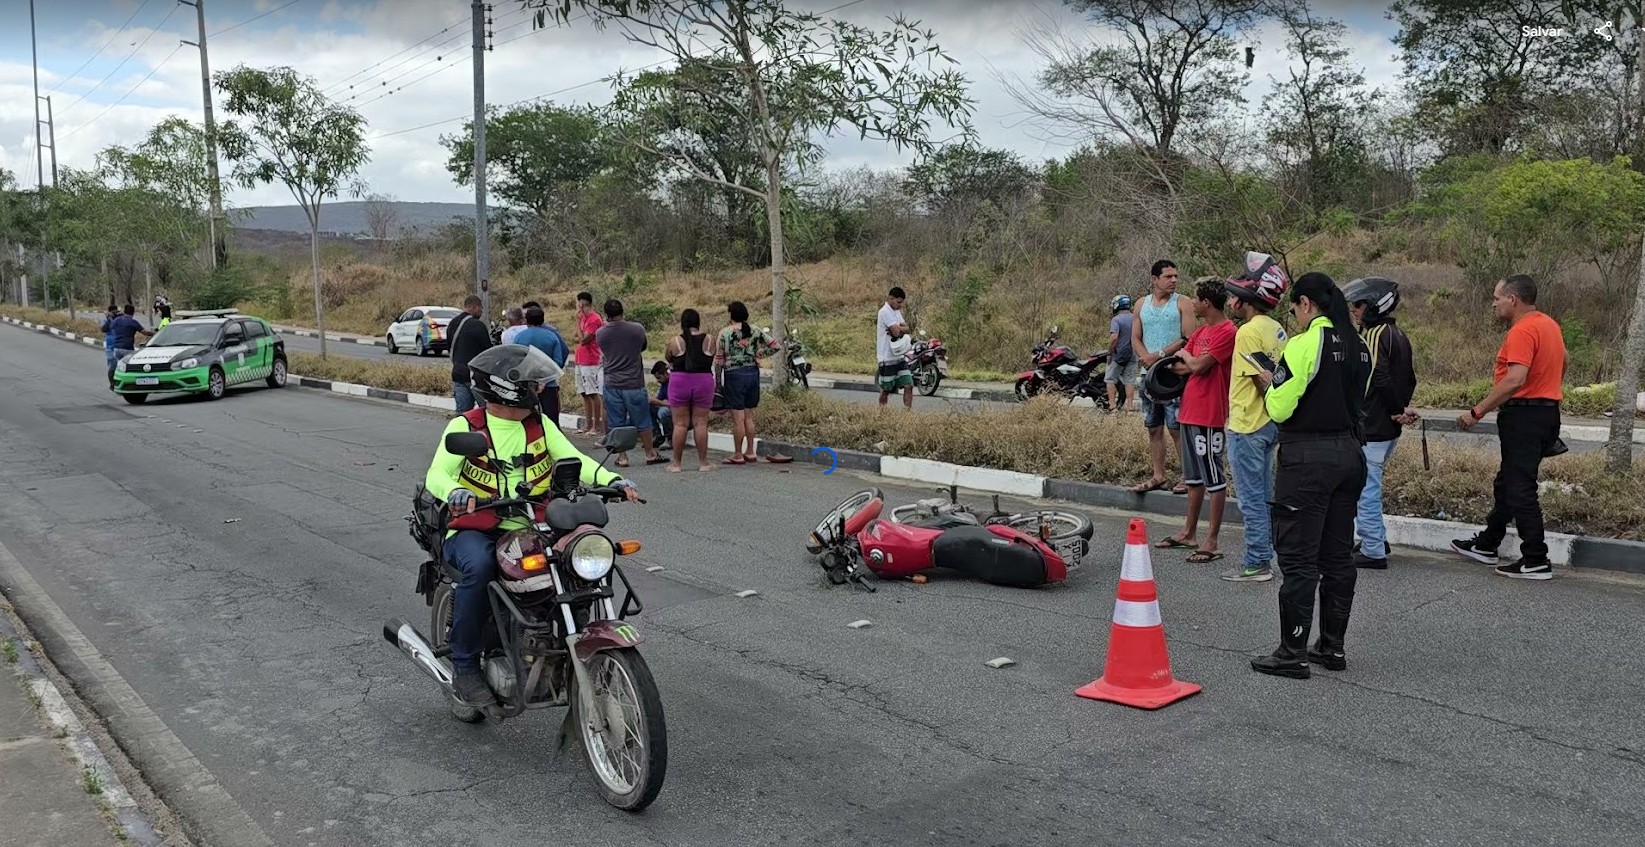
x: 79, y: 324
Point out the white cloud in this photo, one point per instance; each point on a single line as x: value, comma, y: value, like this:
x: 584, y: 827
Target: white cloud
x: 335, y: 40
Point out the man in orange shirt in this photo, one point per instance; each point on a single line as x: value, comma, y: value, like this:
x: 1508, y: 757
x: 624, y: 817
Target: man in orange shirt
x: 1530, y: 369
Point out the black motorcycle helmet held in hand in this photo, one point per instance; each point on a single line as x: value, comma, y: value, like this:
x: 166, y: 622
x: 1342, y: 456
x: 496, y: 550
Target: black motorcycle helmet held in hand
x: 511, y: 374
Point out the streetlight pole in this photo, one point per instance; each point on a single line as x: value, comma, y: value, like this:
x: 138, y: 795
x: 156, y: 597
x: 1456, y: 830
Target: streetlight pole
x: 218, y: 230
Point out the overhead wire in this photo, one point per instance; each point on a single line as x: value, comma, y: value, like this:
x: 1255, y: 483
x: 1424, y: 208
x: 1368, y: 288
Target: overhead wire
x: 460, y: 60
x: 439, y: 52
x: 337, y: 86
x: 129, y: 92
x: 123, y: 27
x: 123, y: 62
x: 257, y: 18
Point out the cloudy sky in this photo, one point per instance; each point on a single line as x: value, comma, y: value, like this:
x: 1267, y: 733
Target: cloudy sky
x: 114, y: 68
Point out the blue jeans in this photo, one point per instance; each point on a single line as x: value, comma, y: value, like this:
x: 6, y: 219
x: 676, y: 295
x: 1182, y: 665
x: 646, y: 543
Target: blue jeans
x: 474, y: 553
x: 1251, y: 456
x: 464, y: 395
x: 1373, y: 533
x: 662, y: 420
x: 627, y: 407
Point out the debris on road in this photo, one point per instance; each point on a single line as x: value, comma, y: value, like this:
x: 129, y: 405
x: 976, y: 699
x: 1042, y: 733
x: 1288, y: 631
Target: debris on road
x: 1001, y: 662
x: 860, y: 624
x: 749, y: 593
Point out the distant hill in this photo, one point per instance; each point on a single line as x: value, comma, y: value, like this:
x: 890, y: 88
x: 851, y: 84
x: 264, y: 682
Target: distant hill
x: 349, y: 218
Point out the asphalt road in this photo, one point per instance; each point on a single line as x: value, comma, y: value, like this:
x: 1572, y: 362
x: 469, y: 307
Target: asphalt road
x: 235, y: 560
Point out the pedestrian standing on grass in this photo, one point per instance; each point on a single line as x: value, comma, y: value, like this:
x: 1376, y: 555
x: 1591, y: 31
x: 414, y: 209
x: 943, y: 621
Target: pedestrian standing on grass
x: 590, y: 376
x: 622, y: 346
x: 1317, y: 396
x: 1252, y: 435
x: 469, y: 337
x: 1122, y: 358
x: 1387, y: 404
x: 533, y: 333
x: 1163, y: 324
x: 1206, y: 362
x: 1529, y: 377
x: 691, y: 387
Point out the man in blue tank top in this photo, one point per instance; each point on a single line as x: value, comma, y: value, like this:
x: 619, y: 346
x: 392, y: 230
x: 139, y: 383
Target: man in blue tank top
x: 1163, y: 323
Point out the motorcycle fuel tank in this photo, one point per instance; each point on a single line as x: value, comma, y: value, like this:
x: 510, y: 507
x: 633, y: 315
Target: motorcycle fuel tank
x: 893, y: 550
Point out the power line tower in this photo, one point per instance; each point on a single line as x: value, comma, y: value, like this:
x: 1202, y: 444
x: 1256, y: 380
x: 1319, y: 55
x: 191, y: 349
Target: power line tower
x: 482, y: 230
x: 219, y: 227
x: 51, y: 134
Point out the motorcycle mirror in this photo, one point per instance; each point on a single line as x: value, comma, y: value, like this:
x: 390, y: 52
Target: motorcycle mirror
x: 471, y: 445
x: 621, y: 440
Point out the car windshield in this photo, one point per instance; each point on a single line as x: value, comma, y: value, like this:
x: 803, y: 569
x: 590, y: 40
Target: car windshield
x: 186, y: 335
x: 444, y: 314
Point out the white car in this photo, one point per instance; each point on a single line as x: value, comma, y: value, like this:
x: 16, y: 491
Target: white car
x: 422, y: 328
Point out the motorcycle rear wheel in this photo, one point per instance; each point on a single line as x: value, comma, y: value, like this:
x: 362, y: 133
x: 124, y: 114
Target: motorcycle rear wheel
x: 628, y: 778
x: 1059, y: 530
x: 439, y: 626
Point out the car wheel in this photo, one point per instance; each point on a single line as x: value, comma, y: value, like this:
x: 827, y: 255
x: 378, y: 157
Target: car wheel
x: 393, y: 348
x: 134, y: 399
x: 216, y: 383
x: 277, y: 376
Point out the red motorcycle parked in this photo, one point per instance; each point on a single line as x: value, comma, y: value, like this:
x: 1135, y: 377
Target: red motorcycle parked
x: 1021, y: 550
x: 1058, y: 369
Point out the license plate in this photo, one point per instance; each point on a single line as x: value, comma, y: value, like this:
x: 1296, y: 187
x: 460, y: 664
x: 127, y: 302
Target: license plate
x: 799, y: 360
x: 148, y: 380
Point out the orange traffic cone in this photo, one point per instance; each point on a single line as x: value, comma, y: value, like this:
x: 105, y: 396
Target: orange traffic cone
x: 1138, y: 671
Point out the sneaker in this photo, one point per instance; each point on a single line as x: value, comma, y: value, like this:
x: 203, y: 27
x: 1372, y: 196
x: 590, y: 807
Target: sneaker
x: 1524, y: 569
x: 1363, y: 561
x: 1248, y: 575
x: 1473, y: 550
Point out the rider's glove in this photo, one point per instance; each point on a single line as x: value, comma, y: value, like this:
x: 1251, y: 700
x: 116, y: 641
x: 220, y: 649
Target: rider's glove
x: 459, y: 499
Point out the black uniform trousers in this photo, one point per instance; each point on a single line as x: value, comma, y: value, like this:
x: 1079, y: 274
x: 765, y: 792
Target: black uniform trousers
x: 1316, y: 496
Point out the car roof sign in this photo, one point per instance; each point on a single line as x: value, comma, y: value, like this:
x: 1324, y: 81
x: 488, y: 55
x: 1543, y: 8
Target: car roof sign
x: 204, y: 313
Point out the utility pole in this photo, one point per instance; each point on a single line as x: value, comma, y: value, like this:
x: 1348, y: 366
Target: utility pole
x: 482, y: 231
x: 51, y: 139
x: 39, y: 152
x: 219, y: 228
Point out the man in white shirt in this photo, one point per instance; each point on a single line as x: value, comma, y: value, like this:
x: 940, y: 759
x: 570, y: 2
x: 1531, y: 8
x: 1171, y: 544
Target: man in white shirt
x: 515, y: 317
x: 893, y: 369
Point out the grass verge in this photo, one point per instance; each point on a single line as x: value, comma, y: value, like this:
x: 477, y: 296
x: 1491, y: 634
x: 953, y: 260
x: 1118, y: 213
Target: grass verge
x: 1049, y: 438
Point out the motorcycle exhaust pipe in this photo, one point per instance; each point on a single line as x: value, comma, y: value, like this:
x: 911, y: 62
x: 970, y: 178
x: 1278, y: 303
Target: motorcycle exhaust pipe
x: 417, y: 649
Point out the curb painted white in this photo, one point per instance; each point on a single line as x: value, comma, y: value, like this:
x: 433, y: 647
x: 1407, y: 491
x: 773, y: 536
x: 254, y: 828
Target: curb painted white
x: 1428, y: 534
x: 1418, y: 533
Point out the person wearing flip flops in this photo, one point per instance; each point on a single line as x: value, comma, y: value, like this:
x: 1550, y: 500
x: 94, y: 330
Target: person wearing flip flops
x: 1162, y: 324
x: 1207, y: 363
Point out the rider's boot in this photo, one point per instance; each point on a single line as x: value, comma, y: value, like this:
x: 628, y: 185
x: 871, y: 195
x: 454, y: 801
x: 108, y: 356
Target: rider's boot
x: 471, y: 688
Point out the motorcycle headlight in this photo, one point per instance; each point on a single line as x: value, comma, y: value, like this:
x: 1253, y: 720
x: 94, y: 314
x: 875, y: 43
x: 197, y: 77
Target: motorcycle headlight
x: 592, y: 556
x: 185, y: 364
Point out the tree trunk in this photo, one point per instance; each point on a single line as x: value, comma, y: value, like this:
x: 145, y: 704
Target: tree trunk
x: 1619, y: 448
x: 314, y: 258
x: 108, y: 281
x: 779, y: 266
x: 148, y: 286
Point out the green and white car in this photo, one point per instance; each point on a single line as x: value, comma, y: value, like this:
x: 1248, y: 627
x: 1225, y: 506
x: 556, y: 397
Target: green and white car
x: 203, y: 352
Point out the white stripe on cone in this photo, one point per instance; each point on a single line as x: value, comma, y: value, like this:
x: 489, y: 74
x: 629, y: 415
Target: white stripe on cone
x: 1133, y: 613
x: 1137, y: 565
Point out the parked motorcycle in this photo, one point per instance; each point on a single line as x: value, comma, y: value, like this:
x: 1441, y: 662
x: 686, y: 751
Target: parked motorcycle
x: 799, y: 370
x: 1020, y: 550
x: 555, y: 636
x: 928, y: 360
x: 1058, y: 369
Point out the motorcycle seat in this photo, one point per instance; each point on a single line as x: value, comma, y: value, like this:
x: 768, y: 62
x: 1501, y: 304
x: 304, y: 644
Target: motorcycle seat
x: 989, y: 556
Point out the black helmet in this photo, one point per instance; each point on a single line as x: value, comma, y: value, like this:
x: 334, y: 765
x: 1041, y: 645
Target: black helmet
x: 511, y: 374
x: 1380, y: 294
x: 1163, y: 384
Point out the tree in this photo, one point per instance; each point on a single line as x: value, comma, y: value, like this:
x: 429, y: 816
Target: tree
x: 289, y: 132
x: 382, y: 217
x: 1175, y: 70
x: 537, y: 156
x: 1619, y: 453
x: 1478, y: 72
x: 1316, y: 114
x: 962, y: 173
x: 784, y: 76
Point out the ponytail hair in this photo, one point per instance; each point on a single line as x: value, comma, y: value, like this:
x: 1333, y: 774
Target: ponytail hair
x: 690, y: 320
x: 739, y: 313
x: 1328, y: 298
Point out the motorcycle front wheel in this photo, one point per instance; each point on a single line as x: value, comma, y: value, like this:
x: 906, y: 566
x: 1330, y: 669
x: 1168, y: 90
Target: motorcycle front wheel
x: 438, y: 629
x: 1027, y: 387
x: 800, y: 377
x: 630, y: 760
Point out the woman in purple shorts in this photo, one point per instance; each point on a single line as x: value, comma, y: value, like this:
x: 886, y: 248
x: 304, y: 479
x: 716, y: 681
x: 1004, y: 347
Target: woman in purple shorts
x: 691, y: 386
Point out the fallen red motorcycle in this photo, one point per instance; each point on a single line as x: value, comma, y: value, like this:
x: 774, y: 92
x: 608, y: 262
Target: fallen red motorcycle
x: 1022, y: 550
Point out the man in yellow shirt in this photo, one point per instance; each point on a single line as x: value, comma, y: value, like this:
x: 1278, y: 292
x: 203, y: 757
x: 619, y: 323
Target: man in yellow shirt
x: 1252, y: 435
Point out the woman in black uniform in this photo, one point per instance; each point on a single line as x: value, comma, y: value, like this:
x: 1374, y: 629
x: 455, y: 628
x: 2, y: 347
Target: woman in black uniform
x: 1317, y: 397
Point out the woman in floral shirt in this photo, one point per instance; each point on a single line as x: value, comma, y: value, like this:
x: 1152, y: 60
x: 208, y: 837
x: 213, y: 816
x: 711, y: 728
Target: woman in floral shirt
x: 737, y: 359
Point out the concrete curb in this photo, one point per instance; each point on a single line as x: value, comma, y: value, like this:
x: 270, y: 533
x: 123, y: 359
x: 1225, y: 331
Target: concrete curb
x: 1419, y: 533
x: 133, y: 823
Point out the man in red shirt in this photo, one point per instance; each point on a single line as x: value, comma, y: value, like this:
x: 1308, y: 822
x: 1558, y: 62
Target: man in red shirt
x: 590, y: 376
x: 1207, y: 361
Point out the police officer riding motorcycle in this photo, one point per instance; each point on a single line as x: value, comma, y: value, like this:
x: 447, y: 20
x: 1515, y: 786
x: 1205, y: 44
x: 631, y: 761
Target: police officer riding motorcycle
x: 507, y: 378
